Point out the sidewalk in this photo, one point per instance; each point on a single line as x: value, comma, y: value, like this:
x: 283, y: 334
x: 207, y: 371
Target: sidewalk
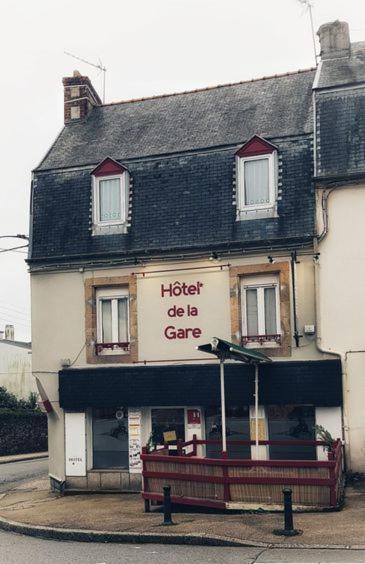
x: 22, y: 457
x: 120, y: 517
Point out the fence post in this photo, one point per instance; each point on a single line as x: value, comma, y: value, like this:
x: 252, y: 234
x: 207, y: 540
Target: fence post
x: 194, y: 445
x: 288, y: 530
x: 167, y: 506
x: 145, y: 482
x: 332, y: 477
x: 226, y: 488
x: 179, y: 447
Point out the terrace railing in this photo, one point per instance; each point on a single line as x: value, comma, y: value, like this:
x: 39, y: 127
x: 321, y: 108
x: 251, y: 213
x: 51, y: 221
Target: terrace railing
x: 242, y: 483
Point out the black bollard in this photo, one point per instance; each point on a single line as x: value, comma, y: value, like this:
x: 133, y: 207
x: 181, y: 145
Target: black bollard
x: 288, y: 530
x: 167, y: 506
x: 288, y: 510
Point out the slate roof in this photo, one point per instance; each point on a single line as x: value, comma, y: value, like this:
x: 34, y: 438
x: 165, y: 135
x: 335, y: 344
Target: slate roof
x: 276, y: 106
x: 344, y: 71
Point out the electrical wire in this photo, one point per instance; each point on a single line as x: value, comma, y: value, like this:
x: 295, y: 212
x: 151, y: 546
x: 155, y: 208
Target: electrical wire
x: 77, y: 357
x: 6, y: 305
x: 13, y: 249
x: 6, y: 319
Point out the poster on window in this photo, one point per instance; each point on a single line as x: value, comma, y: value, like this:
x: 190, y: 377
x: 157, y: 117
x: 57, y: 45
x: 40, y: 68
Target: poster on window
x: 135, y: 444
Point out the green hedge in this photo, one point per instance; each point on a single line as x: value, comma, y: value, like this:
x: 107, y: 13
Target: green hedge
x: 22, y: 431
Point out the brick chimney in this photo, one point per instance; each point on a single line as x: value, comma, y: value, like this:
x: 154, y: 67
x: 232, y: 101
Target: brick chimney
x: 79, y: 96
x: 334, y: 38
x: 9, y: 332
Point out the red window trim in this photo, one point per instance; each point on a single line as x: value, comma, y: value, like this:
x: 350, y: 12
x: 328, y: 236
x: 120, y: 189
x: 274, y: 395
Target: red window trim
x: 256, y: 146
x: 108, y: 167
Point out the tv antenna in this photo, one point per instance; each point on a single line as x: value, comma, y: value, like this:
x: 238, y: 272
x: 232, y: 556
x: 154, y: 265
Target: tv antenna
x: 307, y: 4
x: 98, y: 66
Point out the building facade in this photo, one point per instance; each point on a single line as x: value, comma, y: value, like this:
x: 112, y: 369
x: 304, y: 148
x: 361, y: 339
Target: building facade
x: 16, y: 365
x: 339, y: 95
x: 158, y: 224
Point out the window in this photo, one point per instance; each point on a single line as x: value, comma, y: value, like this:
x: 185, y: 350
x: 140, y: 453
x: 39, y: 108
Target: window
x: 291, y: 423
x: 110, y: 199
x: 167, y: 419
x: 110, y: 438
x: 256, y: 182
x: 238, y: 429
x: 260, y: 309
x: 112, y: 320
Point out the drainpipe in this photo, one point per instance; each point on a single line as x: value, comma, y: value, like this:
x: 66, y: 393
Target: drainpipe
x: 293, y: 262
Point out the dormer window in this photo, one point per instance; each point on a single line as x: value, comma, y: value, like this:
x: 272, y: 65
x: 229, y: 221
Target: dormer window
x: 110, y: 197
x: 256, y: 179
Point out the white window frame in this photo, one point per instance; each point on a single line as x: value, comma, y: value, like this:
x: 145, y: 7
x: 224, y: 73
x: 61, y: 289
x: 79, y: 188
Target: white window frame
x: 123, y: 182
x: 272, y: 159
x: 112, y: 294
x: 259, y: 283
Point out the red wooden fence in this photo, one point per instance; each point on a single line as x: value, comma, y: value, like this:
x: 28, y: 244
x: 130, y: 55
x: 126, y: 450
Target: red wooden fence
x: 229, y: 483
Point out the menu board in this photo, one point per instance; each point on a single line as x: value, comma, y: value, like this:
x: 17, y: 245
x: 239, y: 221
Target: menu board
x: 135, y: 445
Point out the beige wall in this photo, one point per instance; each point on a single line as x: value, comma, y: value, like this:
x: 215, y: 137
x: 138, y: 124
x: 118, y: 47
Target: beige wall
x: 58, y: 322
x: 342, y: 304
x: 58, y: 317
x: 16, y: 370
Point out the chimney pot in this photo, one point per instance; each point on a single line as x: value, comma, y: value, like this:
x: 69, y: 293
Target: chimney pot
x: 334, y: 38
x: 9, y: 332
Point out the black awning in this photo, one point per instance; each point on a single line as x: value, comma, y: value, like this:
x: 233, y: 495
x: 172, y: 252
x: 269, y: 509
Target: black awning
x: 305, y: 382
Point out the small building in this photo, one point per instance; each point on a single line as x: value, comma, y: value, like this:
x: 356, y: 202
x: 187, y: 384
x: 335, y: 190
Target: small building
x: 158, y: 224
x: 16, y: 365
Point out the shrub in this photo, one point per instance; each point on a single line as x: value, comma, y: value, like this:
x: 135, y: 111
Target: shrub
x: 23, y: 427
x: 22, y: 431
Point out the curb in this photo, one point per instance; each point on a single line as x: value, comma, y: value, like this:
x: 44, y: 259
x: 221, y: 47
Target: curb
x: 86, y: 535
x: 22, y: 457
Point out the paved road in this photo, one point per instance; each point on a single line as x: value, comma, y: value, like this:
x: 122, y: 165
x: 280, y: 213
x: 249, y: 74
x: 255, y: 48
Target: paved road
x: 15, y: 472
x: 17, y: 548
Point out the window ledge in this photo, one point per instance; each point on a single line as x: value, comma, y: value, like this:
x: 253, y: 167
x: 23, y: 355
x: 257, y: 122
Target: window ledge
x: 113, y: 229
x: 269, y: 341
x: 112, y: 348
x: 256, y: 213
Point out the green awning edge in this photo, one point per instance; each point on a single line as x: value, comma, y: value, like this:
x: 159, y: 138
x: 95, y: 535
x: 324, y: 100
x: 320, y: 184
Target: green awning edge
x: 232, y: 351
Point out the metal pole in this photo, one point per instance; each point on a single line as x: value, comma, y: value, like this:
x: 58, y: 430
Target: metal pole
x: 313, y: 36
x: 223, y: 406
x: 257, y: 410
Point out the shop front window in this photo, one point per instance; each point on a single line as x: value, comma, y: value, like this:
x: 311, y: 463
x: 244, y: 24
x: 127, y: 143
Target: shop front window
x: 110, y: 438
x: 238, y: 429
x: 291, y: 423
x: 166, y: 420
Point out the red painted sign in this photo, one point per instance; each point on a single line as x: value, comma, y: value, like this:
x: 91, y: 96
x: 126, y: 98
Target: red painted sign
x: 175, y: 290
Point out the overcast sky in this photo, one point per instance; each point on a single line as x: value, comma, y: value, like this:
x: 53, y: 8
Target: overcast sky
x: 149, y: 47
